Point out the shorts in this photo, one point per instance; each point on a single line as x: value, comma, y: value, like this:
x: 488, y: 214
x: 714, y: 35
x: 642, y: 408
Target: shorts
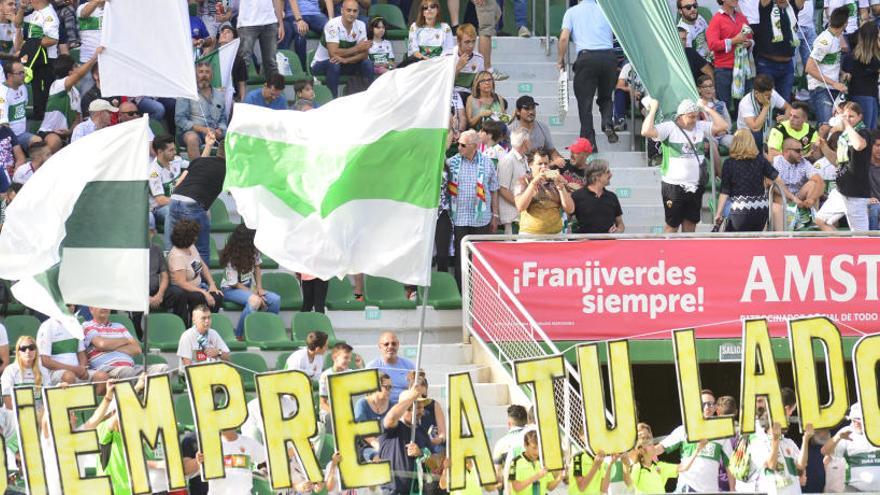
x: 56, y: 375
x: 123, y: 372
x: 488, y: 15
x: 680, y: 205
x: 181, y: 142
x: 24, y: 140
x: 833, y: 209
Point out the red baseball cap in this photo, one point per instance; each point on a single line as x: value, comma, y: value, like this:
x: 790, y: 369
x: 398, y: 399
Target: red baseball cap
x: 582, y: 145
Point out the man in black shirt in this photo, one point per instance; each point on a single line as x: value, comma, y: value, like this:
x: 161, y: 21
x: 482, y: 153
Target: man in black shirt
x: 189, y: 450
x: 853, y: 191
x: 597, y: 210
x: 774, y: 42
x: 696, y: 62
x: 193, y: 196
x: 395, y: 445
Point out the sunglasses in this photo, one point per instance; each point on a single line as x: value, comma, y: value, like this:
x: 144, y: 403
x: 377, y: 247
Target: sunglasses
x: 29, y: 347
x: 689, y: 7
x: 131, y: 114
x: 430, y: 6
x: 708, y: 404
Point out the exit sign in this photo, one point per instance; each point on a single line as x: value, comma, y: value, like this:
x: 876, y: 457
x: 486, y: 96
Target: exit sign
x: 524, y: 87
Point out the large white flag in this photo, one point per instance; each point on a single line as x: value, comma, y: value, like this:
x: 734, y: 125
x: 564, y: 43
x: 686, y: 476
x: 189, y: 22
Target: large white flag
x: 353, y: 186
x: 147, y: 49
x: 77, y: 231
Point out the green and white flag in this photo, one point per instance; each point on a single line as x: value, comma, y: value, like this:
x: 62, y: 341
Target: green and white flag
x: 221, y: 61
x: 353, y: 186
x: 77, y: 232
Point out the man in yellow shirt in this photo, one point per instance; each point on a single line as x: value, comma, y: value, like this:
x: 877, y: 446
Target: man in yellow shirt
x: 527, y: 476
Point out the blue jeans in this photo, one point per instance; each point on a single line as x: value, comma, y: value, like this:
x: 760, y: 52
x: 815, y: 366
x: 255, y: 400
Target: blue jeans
x: 316, y: 24
x: 160, y: 214
x: 723, y: 83
x: 781, y: 72
x: 869, y: 109
x: 805, y: 47
x: 177, y: 211
x: 520, y: 12
x: 364, y: 68
x: 267, y: 36
x: 152, y: 107
x: 822, y: 104
x: 873, y: 216
x: 289, y: 29
x: 621, y: 98
x: 240, y: 296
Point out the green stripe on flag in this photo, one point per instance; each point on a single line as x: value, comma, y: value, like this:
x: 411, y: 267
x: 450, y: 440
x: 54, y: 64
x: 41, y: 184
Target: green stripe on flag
x: 388, y: 168
x: 213, y: 58
x: 92, y: 224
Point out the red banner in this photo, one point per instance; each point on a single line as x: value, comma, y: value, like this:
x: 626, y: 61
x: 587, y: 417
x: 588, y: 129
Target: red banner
x: 640, y: 288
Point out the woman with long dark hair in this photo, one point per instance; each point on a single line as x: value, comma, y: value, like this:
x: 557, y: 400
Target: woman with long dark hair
x: 190, y: 277
x: 243, y: 279
x: 865, y: 72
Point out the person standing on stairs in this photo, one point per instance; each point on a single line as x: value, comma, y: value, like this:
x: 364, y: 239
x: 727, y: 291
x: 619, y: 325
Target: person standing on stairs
x: 595, y: 69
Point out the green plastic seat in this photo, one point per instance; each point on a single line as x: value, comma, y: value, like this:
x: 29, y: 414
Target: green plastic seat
x: 286, y: 286
x: 295, y: 67
x: 213, y: 255
x: 158, y: 127
x: 266, y: 331
x: 164, y: 331
x: 183, y: 412
x: 158, y: 241
x: 218, y: 275
x: 340, y: 296
x: 18, y: 325
x: 125, y: 321
x: 254, y: 363
x: 226, y: 329
x: 444, y: 292
x: 397, y: 28
x: 322, y: 94
x: 386, y: 293
x: 268, y: 263
x: 220, y: 221
x: 306, y: 322
x: 281, y: 359
x: 253, y: 77
x: 14, y: 307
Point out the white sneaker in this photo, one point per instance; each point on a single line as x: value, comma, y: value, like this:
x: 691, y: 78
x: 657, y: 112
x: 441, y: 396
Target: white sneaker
x: 524, y: 32
x: 499, y: 76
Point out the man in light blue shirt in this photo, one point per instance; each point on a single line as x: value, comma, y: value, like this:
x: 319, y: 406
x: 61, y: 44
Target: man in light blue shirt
x: 595, y: 69
x: 388, y: 362
x: 270, y: 95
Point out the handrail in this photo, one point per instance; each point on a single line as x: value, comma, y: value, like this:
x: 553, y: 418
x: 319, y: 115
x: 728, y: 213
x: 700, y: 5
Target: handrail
x: 547, y: 27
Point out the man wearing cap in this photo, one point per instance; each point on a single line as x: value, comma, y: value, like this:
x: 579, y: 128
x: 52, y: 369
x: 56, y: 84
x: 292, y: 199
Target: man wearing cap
x: 513, y: 166
x: 683, y: 144
x: 863, y: 459
x: 597, y: 209
x: 99, y: 118
x: 574, y: 171
x: 539, y: 134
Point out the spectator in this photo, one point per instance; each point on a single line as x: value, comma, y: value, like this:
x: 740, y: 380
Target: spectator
x: 89, y: 16
x: 756, y: 109
x: 433, y: 421
x: 309, y: 359
x: 491, y: 134
x: 314, y: 293
x: 796, y: 127
x: 865, y: 71
x: 699, y: 66
x: 539, y: 133
x: 775, y: 41
x: 574, y: 172
x: 195, y: 192
x: 510, y: 442
x: 341, y: 356
x: 41, y: 30
x: 442, y: 233
x: 303, y: 105
x: 99, y: 118
x: 241, y: 456
x: 373, y: 406
x: 428, y: 36
x: 473, y: 201
x: 391, y: 364
x: 64, y: 355
x: 514, y: 165
x: 61, y: 110
x: 484, y: 103
x: 308, y: 17
x: 381, y: 52
x: 214, y: 17
x: 691, y: 21
x: 682, y: 187
x: 777, y: 459
x: 742, y: 182
x: 14, y: 107
x: 40, y: 153
x: 243, y: 279
x: 226, y: 34
x: 165, y: 170
x: 856, y: 13
x: 629, y: 91
x: 189, y: 451
x: 470, y: 62
x: 597, y: 209
x: 541, y: 196
x: 344, y: 48
x: 706, y: 89
x: 526, y: 472
x: 195, y: 119
x: 27, y: 370
x: 874, y: 200
x: 129, y: 111
x: 595, y: 69
x: 803, y: 182
x: 11, y: 155
x: 201, y: 36
x: 191, y: 280
x: 270, y: 95
x: 8, y: 42
x: 263, y: 21
x: 823, y: 67
x: 854, y: 149
x: 729, y: 37
x: 851, y: 443
x: 304, y: 89
x: 201, y: 342
x: 488, y: 17
x: 395, y: 444
x: 111, y: 349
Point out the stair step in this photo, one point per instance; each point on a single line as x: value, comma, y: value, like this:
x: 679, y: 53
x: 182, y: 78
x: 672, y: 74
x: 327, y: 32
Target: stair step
x: 634, y: 195
x: 635, y: 176
x: 488, y: 394
x: 529, y: 71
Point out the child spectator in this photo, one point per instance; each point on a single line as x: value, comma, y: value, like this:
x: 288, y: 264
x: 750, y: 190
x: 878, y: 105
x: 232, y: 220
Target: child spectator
x: 304, y: 90
x: 491, y: 134
x: 309, y: 359
x: 381, y: 52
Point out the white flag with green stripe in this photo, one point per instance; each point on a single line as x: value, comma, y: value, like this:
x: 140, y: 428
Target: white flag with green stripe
x: 353, y: 186
x: 77, y: 232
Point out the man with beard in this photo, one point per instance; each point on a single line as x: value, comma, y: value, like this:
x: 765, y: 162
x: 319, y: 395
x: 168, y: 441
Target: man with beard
x: 196, y: 118
x: 539, y: 133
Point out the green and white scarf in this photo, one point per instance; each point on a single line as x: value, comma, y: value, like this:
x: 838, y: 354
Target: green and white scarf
x: 844, y: 145
x: 742, y: 68
x: 776, y: 24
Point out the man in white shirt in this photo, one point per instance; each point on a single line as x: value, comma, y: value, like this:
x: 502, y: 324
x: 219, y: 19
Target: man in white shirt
x: 241, y: 456
x: 13, y: 102
x: 41, y: 24
x: 863, y: 459
x: 263, y: 21
x: 513, y: 166
x: 756, y: 109
x: 40, y: 152
x: 99, y: 118
x: 201, y: 343
x: 344, y: 48
x: 64, y: 355
x: 165, y: 170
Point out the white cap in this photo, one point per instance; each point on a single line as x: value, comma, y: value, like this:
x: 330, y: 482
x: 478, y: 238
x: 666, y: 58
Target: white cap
x: 99, y: 105
x: 686, y: 106
x: 855, y: 412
